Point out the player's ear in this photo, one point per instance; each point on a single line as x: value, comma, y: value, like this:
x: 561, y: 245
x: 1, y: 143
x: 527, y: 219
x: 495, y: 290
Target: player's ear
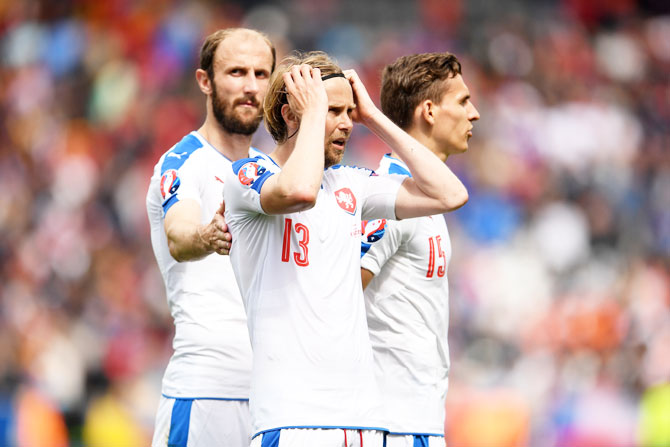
x: 426, y: 111
x: 204, y: 83
x: 290, y: 118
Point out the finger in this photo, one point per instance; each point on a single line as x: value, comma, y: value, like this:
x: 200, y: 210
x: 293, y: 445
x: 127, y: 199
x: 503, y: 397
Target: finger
x: 351, y: 76
x: 222, y: 208
x: 288, y: 81
x: 223, y: 248
x: 296, y: 75
x: 306, y: 71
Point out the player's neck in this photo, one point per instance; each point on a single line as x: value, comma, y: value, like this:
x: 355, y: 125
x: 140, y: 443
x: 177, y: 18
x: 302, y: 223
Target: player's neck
x: 232, y: 145
x: 424, y: 138
x: 282, y: 152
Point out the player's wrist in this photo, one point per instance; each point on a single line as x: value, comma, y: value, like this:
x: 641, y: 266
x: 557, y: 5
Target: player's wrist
x: 371, y: 116
x: 315, y: 108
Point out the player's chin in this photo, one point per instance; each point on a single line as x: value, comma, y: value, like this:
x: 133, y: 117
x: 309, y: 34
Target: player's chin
x: 334, y: 156
x: 463, y: 147
x: 250, y: 119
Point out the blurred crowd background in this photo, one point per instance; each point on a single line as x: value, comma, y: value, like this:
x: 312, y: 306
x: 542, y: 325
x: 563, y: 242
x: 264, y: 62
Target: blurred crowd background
x: 560, y: 275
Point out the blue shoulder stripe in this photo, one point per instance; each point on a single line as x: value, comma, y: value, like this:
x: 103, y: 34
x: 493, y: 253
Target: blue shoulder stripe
x: 258, y: 183
x: 176, y: 156
x: 242, y: 161
x: 262, y: 175
x: 395, y: 168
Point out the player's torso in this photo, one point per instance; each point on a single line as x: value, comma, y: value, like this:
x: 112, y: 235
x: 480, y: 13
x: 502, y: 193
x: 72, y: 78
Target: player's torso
x: 407, y: 305
x: 212, y: 350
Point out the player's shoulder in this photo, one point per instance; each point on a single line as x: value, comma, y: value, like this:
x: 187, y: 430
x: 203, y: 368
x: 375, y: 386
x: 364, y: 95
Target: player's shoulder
x: 252, y: 172
x: 337, y: 170
x: 389, y: 165
x: 180, y: 153
x: 256, y: 158
x: 253, y: 152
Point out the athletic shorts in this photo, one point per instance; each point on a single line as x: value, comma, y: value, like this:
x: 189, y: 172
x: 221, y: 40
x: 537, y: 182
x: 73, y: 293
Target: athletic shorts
x: 202, y: 423
x: 322, y: 437
x: 414, y: 441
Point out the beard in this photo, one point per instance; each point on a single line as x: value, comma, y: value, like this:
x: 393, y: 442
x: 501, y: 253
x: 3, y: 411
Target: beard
x: 228, y: 119
x: 332, y: 156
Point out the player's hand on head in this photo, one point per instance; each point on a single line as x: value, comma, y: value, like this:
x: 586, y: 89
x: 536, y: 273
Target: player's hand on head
x: 305, y: 89
x: 365, y: 107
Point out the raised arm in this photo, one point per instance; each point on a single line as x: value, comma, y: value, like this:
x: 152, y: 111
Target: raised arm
x: 433, y: 187
x: 296, y: 187
x: 188, y: 239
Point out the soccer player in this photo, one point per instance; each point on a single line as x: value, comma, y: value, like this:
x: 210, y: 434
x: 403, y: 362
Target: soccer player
x: 295, y: 219
x: 404, y: 263
x: 205, y: 388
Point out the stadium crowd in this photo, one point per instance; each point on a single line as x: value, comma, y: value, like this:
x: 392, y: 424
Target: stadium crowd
x: 560, y: 276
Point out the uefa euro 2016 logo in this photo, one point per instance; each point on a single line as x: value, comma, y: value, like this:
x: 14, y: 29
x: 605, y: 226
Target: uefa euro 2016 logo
x: 371, y: 232
x: 169, y: 183
x: 248, y: 173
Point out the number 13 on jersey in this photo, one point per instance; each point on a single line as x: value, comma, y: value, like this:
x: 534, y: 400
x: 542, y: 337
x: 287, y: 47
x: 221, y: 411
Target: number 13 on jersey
x: 301, y: 255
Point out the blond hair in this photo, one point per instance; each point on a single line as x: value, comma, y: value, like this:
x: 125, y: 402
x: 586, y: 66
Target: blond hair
x: 276, y: 94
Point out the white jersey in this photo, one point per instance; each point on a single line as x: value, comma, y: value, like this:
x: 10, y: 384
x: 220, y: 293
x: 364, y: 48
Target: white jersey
x: 212, y: 353
x: 299, y: 275
x: 408, y: 314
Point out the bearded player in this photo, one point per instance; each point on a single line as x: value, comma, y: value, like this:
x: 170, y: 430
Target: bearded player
x: 295, y: 217
x: 205, y: 388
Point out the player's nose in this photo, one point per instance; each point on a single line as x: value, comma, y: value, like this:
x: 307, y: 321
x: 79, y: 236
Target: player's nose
x: 251, y: 83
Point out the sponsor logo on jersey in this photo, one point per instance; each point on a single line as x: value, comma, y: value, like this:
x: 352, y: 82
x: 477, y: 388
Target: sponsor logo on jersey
x: 177, y: 155
x: 216, y: 177
x: 169, y: 183
x: 248, y: 173
x: 346, y: 200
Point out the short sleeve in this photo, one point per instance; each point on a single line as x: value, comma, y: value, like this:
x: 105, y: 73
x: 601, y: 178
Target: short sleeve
x: 380, y: 240
x: 380, y: 196
x: 243, y: 183
x: 180, y: 177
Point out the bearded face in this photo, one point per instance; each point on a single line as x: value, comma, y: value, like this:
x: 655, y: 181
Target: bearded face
x: 237, y: 116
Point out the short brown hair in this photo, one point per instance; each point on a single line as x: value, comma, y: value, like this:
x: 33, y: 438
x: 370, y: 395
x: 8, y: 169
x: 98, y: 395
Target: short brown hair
x: 412, y: 79
x: 212, y: 43
x: 276, y: 94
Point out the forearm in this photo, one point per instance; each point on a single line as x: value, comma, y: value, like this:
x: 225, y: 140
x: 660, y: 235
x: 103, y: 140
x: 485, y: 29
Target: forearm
x: 301, y: 175
x: 187, y: 238
x: 186, y: 242
x: 432, y: 177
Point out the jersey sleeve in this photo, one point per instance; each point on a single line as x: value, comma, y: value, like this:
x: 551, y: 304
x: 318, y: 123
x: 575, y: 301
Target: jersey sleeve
x: 179, y: 181
x: 243, y: 183
x: 380, y: 196
x: 380, y: 239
